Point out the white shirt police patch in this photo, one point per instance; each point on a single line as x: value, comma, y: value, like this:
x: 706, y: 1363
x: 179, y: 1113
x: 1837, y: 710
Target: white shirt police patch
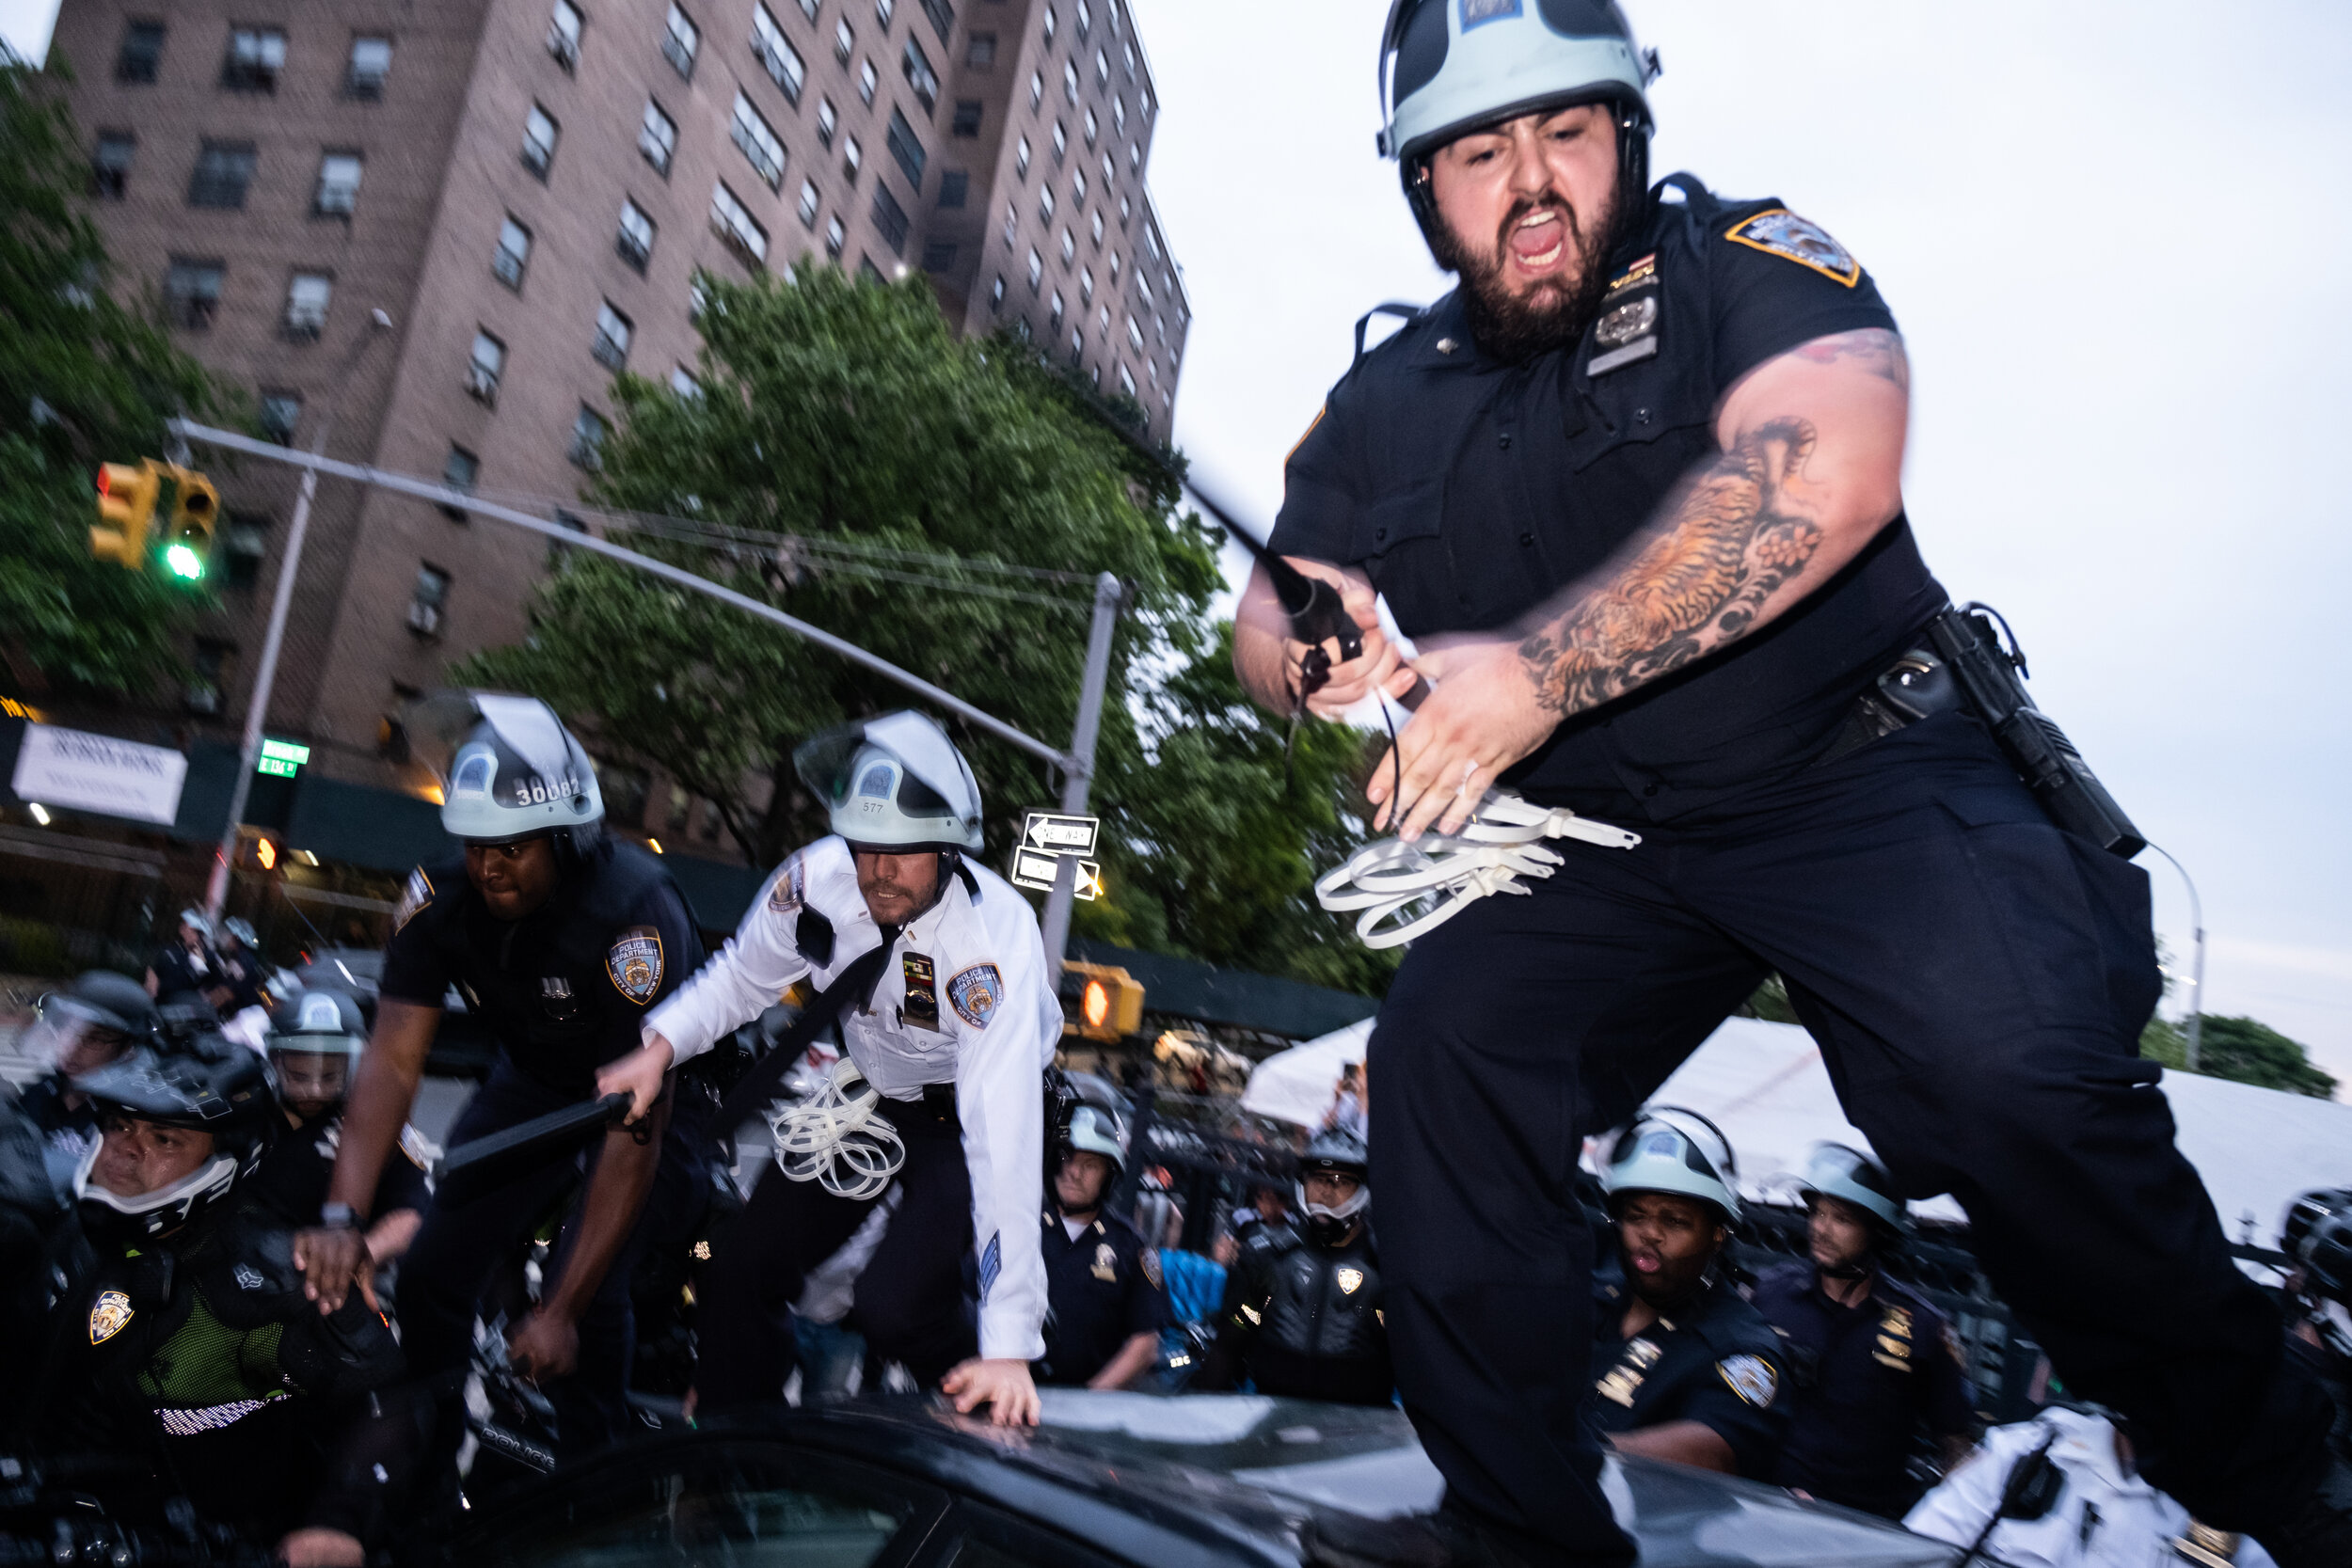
x: 1778, y: 232
x: 974, y: 994
x: 1751, y: 1378
x: 792, y: 887
x: 634, y: 963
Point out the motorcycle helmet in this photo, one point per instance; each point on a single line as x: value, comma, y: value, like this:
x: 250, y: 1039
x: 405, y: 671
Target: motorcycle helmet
x: 510, y: 772
x: 1343, y: 1153
x: 1669, y: 1150
x: 1832, y: 1171
x: 894, y: 783
x: 212, y: 1085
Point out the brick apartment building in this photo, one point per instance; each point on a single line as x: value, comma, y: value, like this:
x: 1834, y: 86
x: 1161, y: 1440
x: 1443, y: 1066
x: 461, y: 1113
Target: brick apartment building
x: 526, y: 189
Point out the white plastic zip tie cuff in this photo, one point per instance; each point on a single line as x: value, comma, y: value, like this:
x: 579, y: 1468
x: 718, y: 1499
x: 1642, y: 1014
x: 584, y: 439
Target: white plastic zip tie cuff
x: 1496, y: 846
x: 839, y: 1139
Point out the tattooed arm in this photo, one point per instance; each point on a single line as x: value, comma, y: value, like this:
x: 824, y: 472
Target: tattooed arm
x: 1808, y: 470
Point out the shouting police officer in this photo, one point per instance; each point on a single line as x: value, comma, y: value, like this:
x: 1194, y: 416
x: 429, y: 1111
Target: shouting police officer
x: 1106, y: 1302
x: 942, y: 1090
x: 1870, y: 1363
x: 1634, y: 487
x: 1304, y: 1311
x: 559, y: 939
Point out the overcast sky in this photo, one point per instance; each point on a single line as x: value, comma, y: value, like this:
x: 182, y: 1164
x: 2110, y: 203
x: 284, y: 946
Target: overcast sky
x: 2114, y: 234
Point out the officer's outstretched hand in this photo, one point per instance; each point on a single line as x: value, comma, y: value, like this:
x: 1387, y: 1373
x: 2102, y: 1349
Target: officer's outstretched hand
x: 547, y: 1346
x: 1379, y: 668
x: 321, y: 1548
x: 638, y: 1075
x: 1482, y: 715
x: 332, y: 1261
x: 1005, y: 1387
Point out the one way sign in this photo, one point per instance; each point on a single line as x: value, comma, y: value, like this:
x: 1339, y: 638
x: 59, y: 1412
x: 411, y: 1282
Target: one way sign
x: 1031, y: 869
x: 1050, y: 833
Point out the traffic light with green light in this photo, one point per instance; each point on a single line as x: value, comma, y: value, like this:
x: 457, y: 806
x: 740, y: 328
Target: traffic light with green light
x: 187, y: 539
x: 127, y: 530
x: 126, y: 509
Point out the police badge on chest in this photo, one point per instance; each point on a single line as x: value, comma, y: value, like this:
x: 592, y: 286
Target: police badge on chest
x: 920, y: 1010
x: 1625, y: 332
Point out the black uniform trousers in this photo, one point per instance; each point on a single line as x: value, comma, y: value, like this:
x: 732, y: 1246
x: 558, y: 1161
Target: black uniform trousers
x: 909, y: 1302
x: 1978, y: 980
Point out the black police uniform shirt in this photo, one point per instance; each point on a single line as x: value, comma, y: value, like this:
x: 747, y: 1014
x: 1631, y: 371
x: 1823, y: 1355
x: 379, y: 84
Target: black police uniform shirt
x: 1306, y: 1321
x: 242, y: 972
x: 1863, y: 1381
x: 294, y: 1176
x: 564, y: 988
x: 1469, y: 490
x: 1102, y: 1287
x: 1714, y: 1361
x: 179, y: 970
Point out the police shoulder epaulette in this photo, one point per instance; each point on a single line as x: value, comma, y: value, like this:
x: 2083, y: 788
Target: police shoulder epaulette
x: 1412, y: 314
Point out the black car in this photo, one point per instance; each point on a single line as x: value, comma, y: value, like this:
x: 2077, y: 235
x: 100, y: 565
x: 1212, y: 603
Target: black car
x: 1108, y: 1481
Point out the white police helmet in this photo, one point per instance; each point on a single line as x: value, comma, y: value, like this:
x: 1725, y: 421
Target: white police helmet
x: 1096, y: 1131
x: 318, y: 1021
x: 895, y: 783
x: 1451, y: 67
x: 1669, y: 1150
x: 513, y: 770
x: 1832, y: 1171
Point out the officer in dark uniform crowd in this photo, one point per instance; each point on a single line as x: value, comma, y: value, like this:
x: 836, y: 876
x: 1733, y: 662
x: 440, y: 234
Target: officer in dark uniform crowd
x: 1871, y: 1363
x: 316, y: 1039
x: 559, y: 937
x: 185, y: 965
x: 242, y: 972
x: 1683, y: 1367
x: 1634, y: 488
x: 186, y: 1337
x: 1304, y: 1312
x: 1106, y: 1302
x: 79, y: 1030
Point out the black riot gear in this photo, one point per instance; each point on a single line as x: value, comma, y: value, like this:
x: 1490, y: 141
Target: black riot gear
x: 211, y: 1085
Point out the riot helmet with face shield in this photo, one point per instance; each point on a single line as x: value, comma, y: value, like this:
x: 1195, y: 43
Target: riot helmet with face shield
x: 90, y: 1022
x: 1340, y: 1154
x: 314, y: 1043
x: 211, y: 1085
x: 510, y: 772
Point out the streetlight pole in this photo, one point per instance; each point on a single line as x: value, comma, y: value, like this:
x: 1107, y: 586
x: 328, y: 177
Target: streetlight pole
x: 257, y: 705
x: 1077, y: 780
x: 2196, y: 969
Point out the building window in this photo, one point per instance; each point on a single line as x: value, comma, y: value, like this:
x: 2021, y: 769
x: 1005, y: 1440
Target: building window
x: 1085, y: 286
x: 587, y: 448
x: 808, y: 9
x: 1085, y: 18
x: 248, y: 542
x: 968, y: 117
x: 539, y: 133
x: 943, y: 15
x: 1021, y: 159
x: 1061, y: 142
x: 907, y: 150
x: 783, y: 62
x: 852, y: 158
x: 1102, y: 66
x: 1114, y: 266
x: 733, y: 223
x: 141, y: 54
x: 1093, y: 126
x: 680, y: 41
x: 1045, y: 202
x: 917, y: 66
x: 867, y: 82
x: 255, y: 58
x: 280, y: 412
x: 610, y: 344
x: 1127, y: 52
x: 1098, y: 228
x: 306, y: 297
x: 1143, y: 286
x: 1012, y: 222
x: 1123, y: 211
x: 808, y: 203
x: 1135, y: 156
x: 483, y: 370
x: 954, y: 184
x: 1126, y: 381
x: 657, y: 138
x: 683, y: 384
x: 1069, y: 245
x: 1051, y: 23
x: 1053, y: 317
x: 883, y: 12
x: 459, y: 471
x: 1070, y: 81
x: 758, y: 143
x: 844, y: 39
x: 1077, y: 345
x: 1135, y: 334
x: 996, y: 294
x: 1119, y: 115
x: 564, y: 35
x: 890, y: 219
x: 1078, y: 187
x: 1037, y: 88
x: 1110, y: 170
x: 1037, y: 268
x: 513, y: 254
x: 826, y: 120
x: 428, y: 601
x: 834, y: 237
x: 633, y: 242
x: 939, y: 255
x: 979, y: 51
x: 338, y: 195
x: 110, y: 165
x: 223, y: 170
x: 370, y: 63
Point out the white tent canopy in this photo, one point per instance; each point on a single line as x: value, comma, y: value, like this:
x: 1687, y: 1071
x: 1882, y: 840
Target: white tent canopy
x: 1765, y: 1085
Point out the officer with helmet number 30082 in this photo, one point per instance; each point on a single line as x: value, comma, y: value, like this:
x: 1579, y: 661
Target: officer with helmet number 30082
x: 1634, y: 489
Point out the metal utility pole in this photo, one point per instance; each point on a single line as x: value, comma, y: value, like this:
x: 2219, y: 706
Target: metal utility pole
x: 2197, y: 964
x: 257, y: 705
x: 1076, y: 781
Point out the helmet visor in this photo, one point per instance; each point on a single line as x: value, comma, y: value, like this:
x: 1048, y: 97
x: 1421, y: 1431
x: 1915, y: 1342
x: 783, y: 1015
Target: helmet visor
x: 68, y: 1038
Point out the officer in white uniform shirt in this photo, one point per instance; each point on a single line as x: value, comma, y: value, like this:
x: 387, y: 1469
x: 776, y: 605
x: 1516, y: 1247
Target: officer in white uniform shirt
x: 954, y: 1036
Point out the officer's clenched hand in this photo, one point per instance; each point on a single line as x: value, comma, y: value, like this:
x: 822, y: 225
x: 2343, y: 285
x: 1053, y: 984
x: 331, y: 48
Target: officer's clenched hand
x: 638, y: 1075
x: 1262, y: 639
x: 547, y: 1346
x: 1005, y: 1387
x: 1484, y: 715
x: 333, y: 1261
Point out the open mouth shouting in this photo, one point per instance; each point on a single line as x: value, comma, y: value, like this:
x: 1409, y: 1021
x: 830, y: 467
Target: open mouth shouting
x: 1539, y: 243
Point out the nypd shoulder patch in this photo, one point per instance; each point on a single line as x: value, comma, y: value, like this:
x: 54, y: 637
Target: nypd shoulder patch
x: 974, y: 994
x: 109, y: 1315
x: 1778, y: 232
x: 419, y: 1153
x: 790, y: 888
x: 1751, y: 1378
x: 1148, y: 1260
x: 413, y: 899
x: 634, y: 965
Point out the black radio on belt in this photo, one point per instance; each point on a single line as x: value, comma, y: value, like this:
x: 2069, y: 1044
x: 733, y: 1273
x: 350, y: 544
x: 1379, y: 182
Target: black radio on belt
x: 1989, y: 674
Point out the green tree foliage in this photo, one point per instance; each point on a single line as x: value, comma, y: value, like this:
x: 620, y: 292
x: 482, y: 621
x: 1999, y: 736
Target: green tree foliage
x: 836, y: 420
x: 2243, y: 1050
x: 84, y: 379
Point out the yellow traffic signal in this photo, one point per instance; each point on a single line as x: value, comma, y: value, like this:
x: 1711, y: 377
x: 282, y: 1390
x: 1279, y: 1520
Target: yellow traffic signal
x: 1110, y: 1001
x: 188, y: 540
x: 126, y: 508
